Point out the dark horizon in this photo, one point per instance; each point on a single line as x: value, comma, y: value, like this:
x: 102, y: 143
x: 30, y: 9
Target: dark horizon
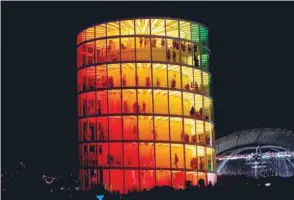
x: 251, y: 45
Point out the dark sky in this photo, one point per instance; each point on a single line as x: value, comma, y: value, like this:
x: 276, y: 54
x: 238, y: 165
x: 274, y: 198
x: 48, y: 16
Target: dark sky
x: 252, y: 67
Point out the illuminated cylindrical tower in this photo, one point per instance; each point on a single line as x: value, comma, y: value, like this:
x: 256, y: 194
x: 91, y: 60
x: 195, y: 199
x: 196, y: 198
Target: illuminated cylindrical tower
x: 144, y: 104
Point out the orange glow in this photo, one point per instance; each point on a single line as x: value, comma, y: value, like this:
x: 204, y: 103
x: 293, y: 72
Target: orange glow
x: 144, y: 106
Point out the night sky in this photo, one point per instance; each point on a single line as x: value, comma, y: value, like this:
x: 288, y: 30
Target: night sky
x: 251, y: 63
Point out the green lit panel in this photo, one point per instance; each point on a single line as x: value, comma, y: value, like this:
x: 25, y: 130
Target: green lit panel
x: 204, y: 59
x: 203, y: 35
x: 195, y: 32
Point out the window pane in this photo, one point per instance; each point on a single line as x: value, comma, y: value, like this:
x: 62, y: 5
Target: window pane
x: 130, y: 128
x: 195, y: 32
x: 176, y: 129
x: 115, y: 128
x: 201, y: 158
x: 130, y: 104
x: 144, y: 74
x: 199, y: 106
x: 128, y: 75
x: 113, y: 50
x: 186, y: 53
x: 210, y: 161
x: 172, y: 28
x: 178, y: 179
x: 146, y: 128
x: 114, y: 75
x: 145, y: 101
x: 190, y: 131
x: 100, y: 30
x: 205, y: 87
x: 163, y: 178
x: 91, y: 78
x: 142, y: 26
x: 131, y: 180
x: 200, y: 132
x: 160, y: 101
x: 147, y: 155
x: 102, y: 128
x: 115, y: 158
x: 127, y: 27
x: 147, y: 179
x: 113, y: 28
x: 82, y: 106
x: 100, y: 51
x: 202, y: 177
x: 91, y: 107
x: 177, y: 153
x: 90, y: 32
x: 162, y: 155
x: 192, y: 178
x: 173, y: 51
x: 185, y: 30
x: 82, y: 80
x: 101, y: 76
x: 101, y: 102
x: 127, y: 49
x: 197, y: 80
x: 158, y: 27
x: 174, y: 76
x: 131, y: 154
x: 191, y: 158
x: 143, y: 51
x: 102, y: 155
x: 189, y: 107
x: 161, y: 128
x: 158, y: 46
x: 159, y: 75
x: 114, y: 101
x: 116, y: 180
x: 207, y: 108
x: 187, y: 78
x: 175, y: 103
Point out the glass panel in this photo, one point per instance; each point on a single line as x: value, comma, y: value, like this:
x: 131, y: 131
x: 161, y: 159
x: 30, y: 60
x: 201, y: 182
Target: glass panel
x: 115, y: 128
x: 130, y: 128
x: 116, y: 180
x: 114, y: 101
x: 191, y: 178
x: 200, y: 132
x: 188, y: 102
x: 91, y: 78
x: 100, y: 30
x: 82, y: 105
x: 197, y: 80
x: 203, y: 35
x: 204, y: 59
x: 145, y: 101
x: 158, y: 27
x: 162, y: 155
x: 131, y: 154
x: 91, y: 103
x: 196, y: 54
x: 174, y: 76
x: 102, y: 128
x: 127, y: 49
x: 175, y: 103
x: 176, y: 129
x: 190, y: 131
x: 191, y: 159
x: 212, y: 178
x: 207, y: 108
x: 146, y: 128
x: 144, y: 74
x: 102, y: 155
x: 163, y: 178
x: 159, y: 75
x: 210, y: 162
x: 82, y: 80
x: 161, y: 128
x: 199, y: 106
x: 186, y: 53
x: 208, y: 134
x: 185, y: 30
x: 114, y: 75
x: 128, y: 75
x: 100, y: 51
x: 187, y: 78
x: 195, y: 32
x: 101, y: 102
x: 205, y: 87
x: 113, y: 50
x: 172, y: 28
x: 101, y: 76
x: 127, y: 27
x: 202, y: 180
x: 130, y: 104
x: 158, y: 46
x: 173, y: 51
x: 146, y: 155
x: 90, y: 32
x: 79, y: 56
x: 115, y: 158
x: 177, y: 153
x: 113, y: 28
x: 142, y: 26
x: 131, y: 180
x: 201, y: 158
x: 147, y: 179
x: 82, y: 37
x: 160, y: 101
x: 143, y: 51
x: 178, y: 179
